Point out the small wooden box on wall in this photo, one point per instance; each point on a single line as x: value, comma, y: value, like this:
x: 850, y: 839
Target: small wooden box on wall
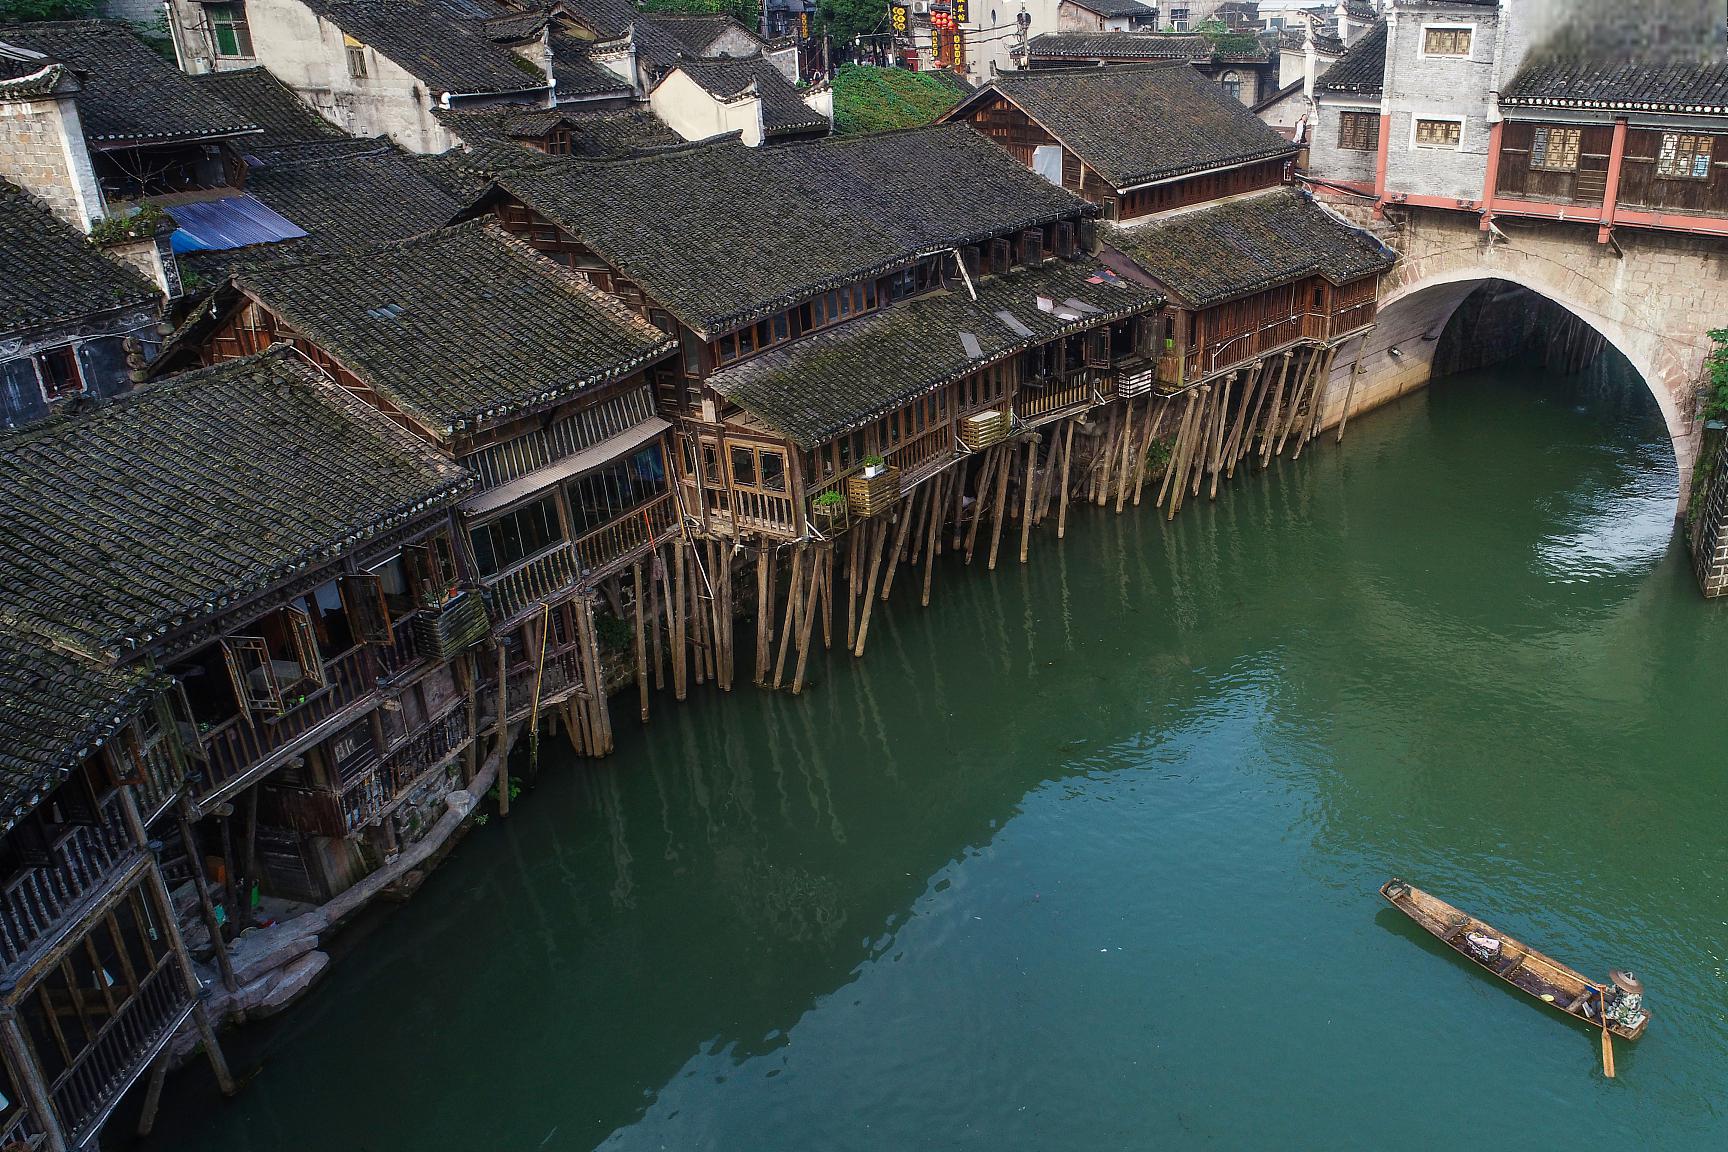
x: 872, y: 490
x: 982, y: 429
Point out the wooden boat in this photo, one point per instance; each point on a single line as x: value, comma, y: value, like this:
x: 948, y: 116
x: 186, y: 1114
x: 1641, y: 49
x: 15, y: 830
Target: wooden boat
x: 1523, y: 967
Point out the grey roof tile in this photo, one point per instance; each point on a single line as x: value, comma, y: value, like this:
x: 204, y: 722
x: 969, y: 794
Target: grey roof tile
x: 53, y: 274
x: 202, y: 488
x: 833, y: 381
x: 130, y: 94
x: 1134, y: 125
x: 1211, y: 255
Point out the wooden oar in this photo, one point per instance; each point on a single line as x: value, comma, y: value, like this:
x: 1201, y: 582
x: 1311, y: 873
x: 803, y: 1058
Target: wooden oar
x: 1607, y: 1041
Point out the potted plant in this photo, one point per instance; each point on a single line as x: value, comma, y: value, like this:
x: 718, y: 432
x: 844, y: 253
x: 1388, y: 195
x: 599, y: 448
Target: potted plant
x: 829, y: 505
x: 873, y: 466
x: 873, y: 487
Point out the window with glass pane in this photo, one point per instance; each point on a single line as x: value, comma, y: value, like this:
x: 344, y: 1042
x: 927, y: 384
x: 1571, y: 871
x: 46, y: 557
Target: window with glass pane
x: 1555, y: 149
x: 515, y: 536
x: 1685, y: 156
x: 228, y: 30
x: 601, y: 496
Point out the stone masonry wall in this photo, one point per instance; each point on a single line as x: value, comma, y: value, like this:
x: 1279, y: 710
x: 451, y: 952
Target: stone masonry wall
x: 33, y: 156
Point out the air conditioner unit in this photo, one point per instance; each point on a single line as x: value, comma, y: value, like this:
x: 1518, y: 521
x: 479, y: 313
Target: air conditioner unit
x: 921, y: 7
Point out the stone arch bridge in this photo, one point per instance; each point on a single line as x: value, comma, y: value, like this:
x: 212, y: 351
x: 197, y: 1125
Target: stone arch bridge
x: 1655, y: 296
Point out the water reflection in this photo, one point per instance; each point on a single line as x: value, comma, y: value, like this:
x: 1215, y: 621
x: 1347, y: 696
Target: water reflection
x: 1091, y: 845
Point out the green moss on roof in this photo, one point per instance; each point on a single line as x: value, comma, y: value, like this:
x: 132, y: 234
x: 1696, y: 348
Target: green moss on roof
x: 870, y: 99
x: 198, y: 492
x: 837, y: 380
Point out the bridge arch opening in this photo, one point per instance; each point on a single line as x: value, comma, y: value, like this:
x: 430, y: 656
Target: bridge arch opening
x: 1467, y: 319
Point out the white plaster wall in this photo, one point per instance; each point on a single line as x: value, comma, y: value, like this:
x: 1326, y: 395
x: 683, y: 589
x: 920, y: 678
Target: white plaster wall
x: 1419, y: 87
x: 42, y: 151
x: 991, y: 31
x: 686, y: 108
x: 307, y: 54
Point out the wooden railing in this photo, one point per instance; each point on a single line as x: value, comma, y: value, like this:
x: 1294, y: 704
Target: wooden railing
x: 33, y: 903
x: 533, y: 581
x: 1077, y: 387
x: 163, y: 772
x: 562, y: 673
x: 836, y: 516
x: 234, y: 746
x: 1347, y: 320
x: 403, y: 651
x: 412, y: 758
x: 764, y: 511
x: 935, y: 445
x: 22, y: 1131
x: 637, y: 528
x: 83, y: 1092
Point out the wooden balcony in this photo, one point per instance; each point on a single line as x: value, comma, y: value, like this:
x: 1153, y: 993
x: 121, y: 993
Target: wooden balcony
x: 37, y: 901
x: 923, y: 455
x: 162, y: 774
x: 23, y: 1131
x: 124, y: 1045
x: 1046, y: 397
x: 640, y: 528
x: 774, y: 513
x: 420, y: 753
x: 534, y: 581
x: 239, y: 744
x: 561, y: 678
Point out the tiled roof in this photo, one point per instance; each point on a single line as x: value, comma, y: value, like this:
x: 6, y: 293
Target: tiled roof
x: 1361, y: 71
x: 130, y: 94
x: 200, y: 491
x: 784, y: 112
x: 462, y: 327
x: 1215, y: 254
x: 840, y: 379
x: 1119, y: 8
x: 286, y: 119
x: 1622, y: 87
x: 664, y: 38
x: 349, y: 195
x: 57, y: 705
x: 52, y: 274
x: 1120, y: 46
x: 721, y: 234
x: 579, y: 74
x: 1134, y: 125
x: 614, y: 132
x: 442, y: 42
x: 608, y: 18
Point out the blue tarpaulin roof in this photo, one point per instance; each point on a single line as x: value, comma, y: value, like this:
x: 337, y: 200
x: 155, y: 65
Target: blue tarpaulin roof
x: 231, y: 222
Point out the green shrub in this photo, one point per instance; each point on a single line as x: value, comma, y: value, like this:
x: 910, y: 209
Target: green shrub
x: 869, y: 99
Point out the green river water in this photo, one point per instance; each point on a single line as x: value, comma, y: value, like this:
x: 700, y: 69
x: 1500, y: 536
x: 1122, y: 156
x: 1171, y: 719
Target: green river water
x: 1085, y: 856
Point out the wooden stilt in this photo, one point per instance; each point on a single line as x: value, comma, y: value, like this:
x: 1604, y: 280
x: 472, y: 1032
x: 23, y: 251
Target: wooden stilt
x: 789, y: 625
x: 1269, y: 433
x: 901, y: 528
x: 764, y: 611
x: 1026, y: 498
x: 938, y: 501
x: 654, y: 585
x: 828, y: 596
x: 1317, y: 401
x: 1350, y: 392
x: 641, y: 642
x: 1177, y: 442
x: 500, y: 737
x: 812, y: 597
x: 853, y: 552
x: 879, y: 536
x: 673, y: 593
x: 1047, y: 474
x: 1176, y: 479
x: 922, y: 497
x: 1218, y: 440
x: 152, y: 1096
x: 201, y: 885
x: 985, y: 478
x: 1157, y: 412
x: 959, y: 505
x: 1100, y: 483
x: 1004, y: 467
x: 1238, y: 427
x: 1062, y: 500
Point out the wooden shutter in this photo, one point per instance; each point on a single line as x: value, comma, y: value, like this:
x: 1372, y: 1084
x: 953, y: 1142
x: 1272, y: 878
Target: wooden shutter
x: 255, y: 687
x: 305, y: 638
x: 1001, y: 256
x: 368, y: 614
x: 1097, y: 347
x: 1064, y: 239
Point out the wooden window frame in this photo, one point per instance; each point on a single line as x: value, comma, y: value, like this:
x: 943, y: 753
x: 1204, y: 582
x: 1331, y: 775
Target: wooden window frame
x: 231, y: 17
x: 356, y: 56
x: 243, y: 655
x: 1359, y: 131
x: 66, y: 357
x: 1447, y: 34
x: 368, y: 612
x: 1542, y: 147
x: 1416, y: 141
x: 1693, y: 146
